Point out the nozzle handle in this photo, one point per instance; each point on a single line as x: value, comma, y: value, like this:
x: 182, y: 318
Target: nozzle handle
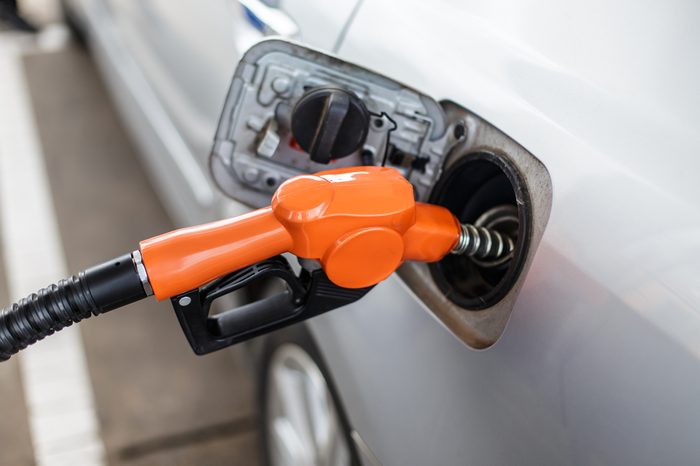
x: 305, y: 296
x: 188, y: 258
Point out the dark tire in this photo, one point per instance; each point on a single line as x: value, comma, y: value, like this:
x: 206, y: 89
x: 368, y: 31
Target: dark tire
x: 279, y: 342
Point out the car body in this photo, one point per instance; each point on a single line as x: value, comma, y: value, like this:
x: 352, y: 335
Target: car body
x: 600, y: 361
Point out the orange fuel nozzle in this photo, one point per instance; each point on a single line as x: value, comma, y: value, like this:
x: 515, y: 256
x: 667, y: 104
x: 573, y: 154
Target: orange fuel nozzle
x: 361, y: 223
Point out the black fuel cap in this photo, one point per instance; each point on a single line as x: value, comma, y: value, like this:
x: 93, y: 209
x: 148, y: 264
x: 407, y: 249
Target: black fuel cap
x: 329, y: 123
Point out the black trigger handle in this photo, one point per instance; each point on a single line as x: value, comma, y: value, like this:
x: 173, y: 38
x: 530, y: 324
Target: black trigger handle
x: 306, y: 296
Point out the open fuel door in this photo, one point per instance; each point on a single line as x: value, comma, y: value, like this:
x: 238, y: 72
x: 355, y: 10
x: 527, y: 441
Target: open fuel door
x: 270, y: 124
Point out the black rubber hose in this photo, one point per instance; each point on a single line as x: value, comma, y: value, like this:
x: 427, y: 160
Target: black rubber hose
x: 92, y: 292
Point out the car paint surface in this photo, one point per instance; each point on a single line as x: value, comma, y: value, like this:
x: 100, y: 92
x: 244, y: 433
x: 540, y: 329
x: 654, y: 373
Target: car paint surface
x: 599, y: 363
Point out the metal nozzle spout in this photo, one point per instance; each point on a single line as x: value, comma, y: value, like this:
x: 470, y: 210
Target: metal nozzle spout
x: 483, y: 243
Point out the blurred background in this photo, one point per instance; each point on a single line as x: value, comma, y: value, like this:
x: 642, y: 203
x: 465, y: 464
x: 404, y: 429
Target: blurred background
x: 152, y: 401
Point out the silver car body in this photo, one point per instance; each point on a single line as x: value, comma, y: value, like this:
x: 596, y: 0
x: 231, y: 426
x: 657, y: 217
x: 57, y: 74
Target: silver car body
x: 600, y: 362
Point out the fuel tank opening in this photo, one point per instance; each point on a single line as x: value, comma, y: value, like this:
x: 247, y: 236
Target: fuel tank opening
x: 483, y: 189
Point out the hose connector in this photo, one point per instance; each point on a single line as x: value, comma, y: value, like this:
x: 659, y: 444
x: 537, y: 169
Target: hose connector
x: 94, y: 291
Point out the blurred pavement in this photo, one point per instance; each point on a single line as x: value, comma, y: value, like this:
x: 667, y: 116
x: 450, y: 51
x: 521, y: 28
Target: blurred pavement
x: 157, y: 403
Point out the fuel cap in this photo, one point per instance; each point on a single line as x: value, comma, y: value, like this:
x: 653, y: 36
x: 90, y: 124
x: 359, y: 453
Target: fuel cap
x: 329, y: 123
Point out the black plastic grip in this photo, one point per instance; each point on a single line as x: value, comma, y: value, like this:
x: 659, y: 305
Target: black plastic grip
x: 306, y: 296
x: 254, y: 315
x: 98, y: 289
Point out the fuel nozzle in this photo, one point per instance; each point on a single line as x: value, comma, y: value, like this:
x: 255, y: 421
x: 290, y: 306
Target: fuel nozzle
x: 359, y: 224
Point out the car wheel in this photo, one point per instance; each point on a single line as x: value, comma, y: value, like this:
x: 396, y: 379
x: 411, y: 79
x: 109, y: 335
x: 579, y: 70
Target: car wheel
x: 302, y: 420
